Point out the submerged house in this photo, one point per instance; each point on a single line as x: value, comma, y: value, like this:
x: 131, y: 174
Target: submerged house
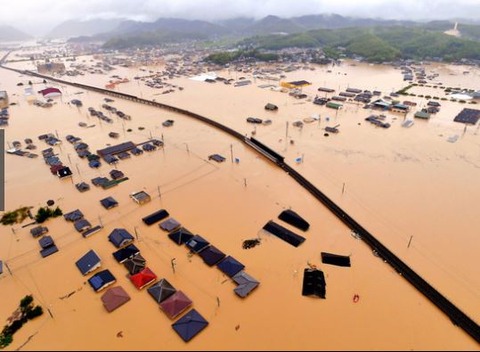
x: 114, y: 297
x: 141, y: 197
x: 101, y: 280
x: 292, y: 218
x: 422, y: 115
x: 177, y: 303
x: 284, y: 233
x: 211, y: 255
x: 4, y: 102
x: 335, y: 259
x: 197, y: 243
x: 271, y: 107
x: 191, y: 324
x: 295, y: 84
x: 50, y: 92
x: 333, y: 105
x: 126, y: 253
x: 88, y: 262
x: 169, y: 224
x: 73, y: 215
x: 109, y: 202
x: 382, y: 104
x: 245, y: 282
x: 64, y: 172
x: 135, y: 264
x: 155, y: 217
x: 143, y: 278
x: 161, y: 290
x: 116, y: 149
x: 313, y: 283
x: 48, y: 246
x: 230, y: 266
x: 470, y: 116
x: 38, y: 231
x: 402, y: 108
x: 120, y: 238
x: 180, y: 235
x: 82, y: 225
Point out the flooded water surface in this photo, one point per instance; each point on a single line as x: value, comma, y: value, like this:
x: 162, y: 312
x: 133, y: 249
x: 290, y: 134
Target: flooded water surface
x: 414, y: 188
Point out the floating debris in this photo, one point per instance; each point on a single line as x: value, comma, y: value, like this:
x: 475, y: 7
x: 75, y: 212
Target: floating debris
x: 247, y: 244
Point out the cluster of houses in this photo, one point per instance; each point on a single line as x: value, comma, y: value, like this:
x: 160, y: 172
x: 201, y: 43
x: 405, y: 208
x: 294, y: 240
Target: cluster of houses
x: 173, y: 302
x: 113, y: 154
x: 81, y: 225
x: 56, y: 166
x: 113, y: 110
x: 47, y: 244
x: 212, y: 256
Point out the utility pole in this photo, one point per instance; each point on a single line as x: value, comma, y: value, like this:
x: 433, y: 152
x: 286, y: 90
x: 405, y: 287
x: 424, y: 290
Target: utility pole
x: 172, y: 262
x: 410, y: 241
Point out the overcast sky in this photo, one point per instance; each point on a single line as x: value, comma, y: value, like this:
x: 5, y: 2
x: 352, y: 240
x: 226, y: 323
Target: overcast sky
x: 37, y: 16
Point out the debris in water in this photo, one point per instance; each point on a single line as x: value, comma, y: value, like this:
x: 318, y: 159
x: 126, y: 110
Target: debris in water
x: 250, y: 243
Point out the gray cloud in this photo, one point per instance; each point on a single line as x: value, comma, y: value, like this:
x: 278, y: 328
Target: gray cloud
x: 39, y: 16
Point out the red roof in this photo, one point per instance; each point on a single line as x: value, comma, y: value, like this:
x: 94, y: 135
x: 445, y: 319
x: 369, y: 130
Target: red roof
x: 54, y: 168
x: 114, y: 297
x: 143, y: 278
x: 174, y: 305
x: 50, y: 91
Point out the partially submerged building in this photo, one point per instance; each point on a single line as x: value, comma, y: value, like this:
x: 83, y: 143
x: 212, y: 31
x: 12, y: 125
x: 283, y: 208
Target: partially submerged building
x: 140, y: 197
x: 114, y: 297
x: 89, y: 262
x: 284, y: 233
x: 4, y: 101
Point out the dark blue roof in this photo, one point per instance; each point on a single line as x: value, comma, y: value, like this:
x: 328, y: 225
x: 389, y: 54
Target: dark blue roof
x: 161, y: 290
x: 292, y: 218
x: 125, y: 253
x: 284, y: 233
x: 119, y: 237
x: 88, y: 262
x: 64, y: 172
x: 101, y: 279
x: 180, y: 235
x: 46, y: 241
x: 245, y: 283
x: 98, y: 181
x: 230, y: 266
x: 211, y: 255
x: 49, y: 250
x: 73, y: 215
x: 313, y: 283
x: 189, y: 325
x: 169, y: 224
x: 82, y: 225
x: 197, y: 243
x: 110, y: 159
x: 108, y: 202
x: 94, y: 163
x: 155, y: 217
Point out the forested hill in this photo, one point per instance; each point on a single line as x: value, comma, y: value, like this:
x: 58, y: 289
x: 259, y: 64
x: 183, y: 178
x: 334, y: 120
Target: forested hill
x: 372, y: 40
x: 378, y: 44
